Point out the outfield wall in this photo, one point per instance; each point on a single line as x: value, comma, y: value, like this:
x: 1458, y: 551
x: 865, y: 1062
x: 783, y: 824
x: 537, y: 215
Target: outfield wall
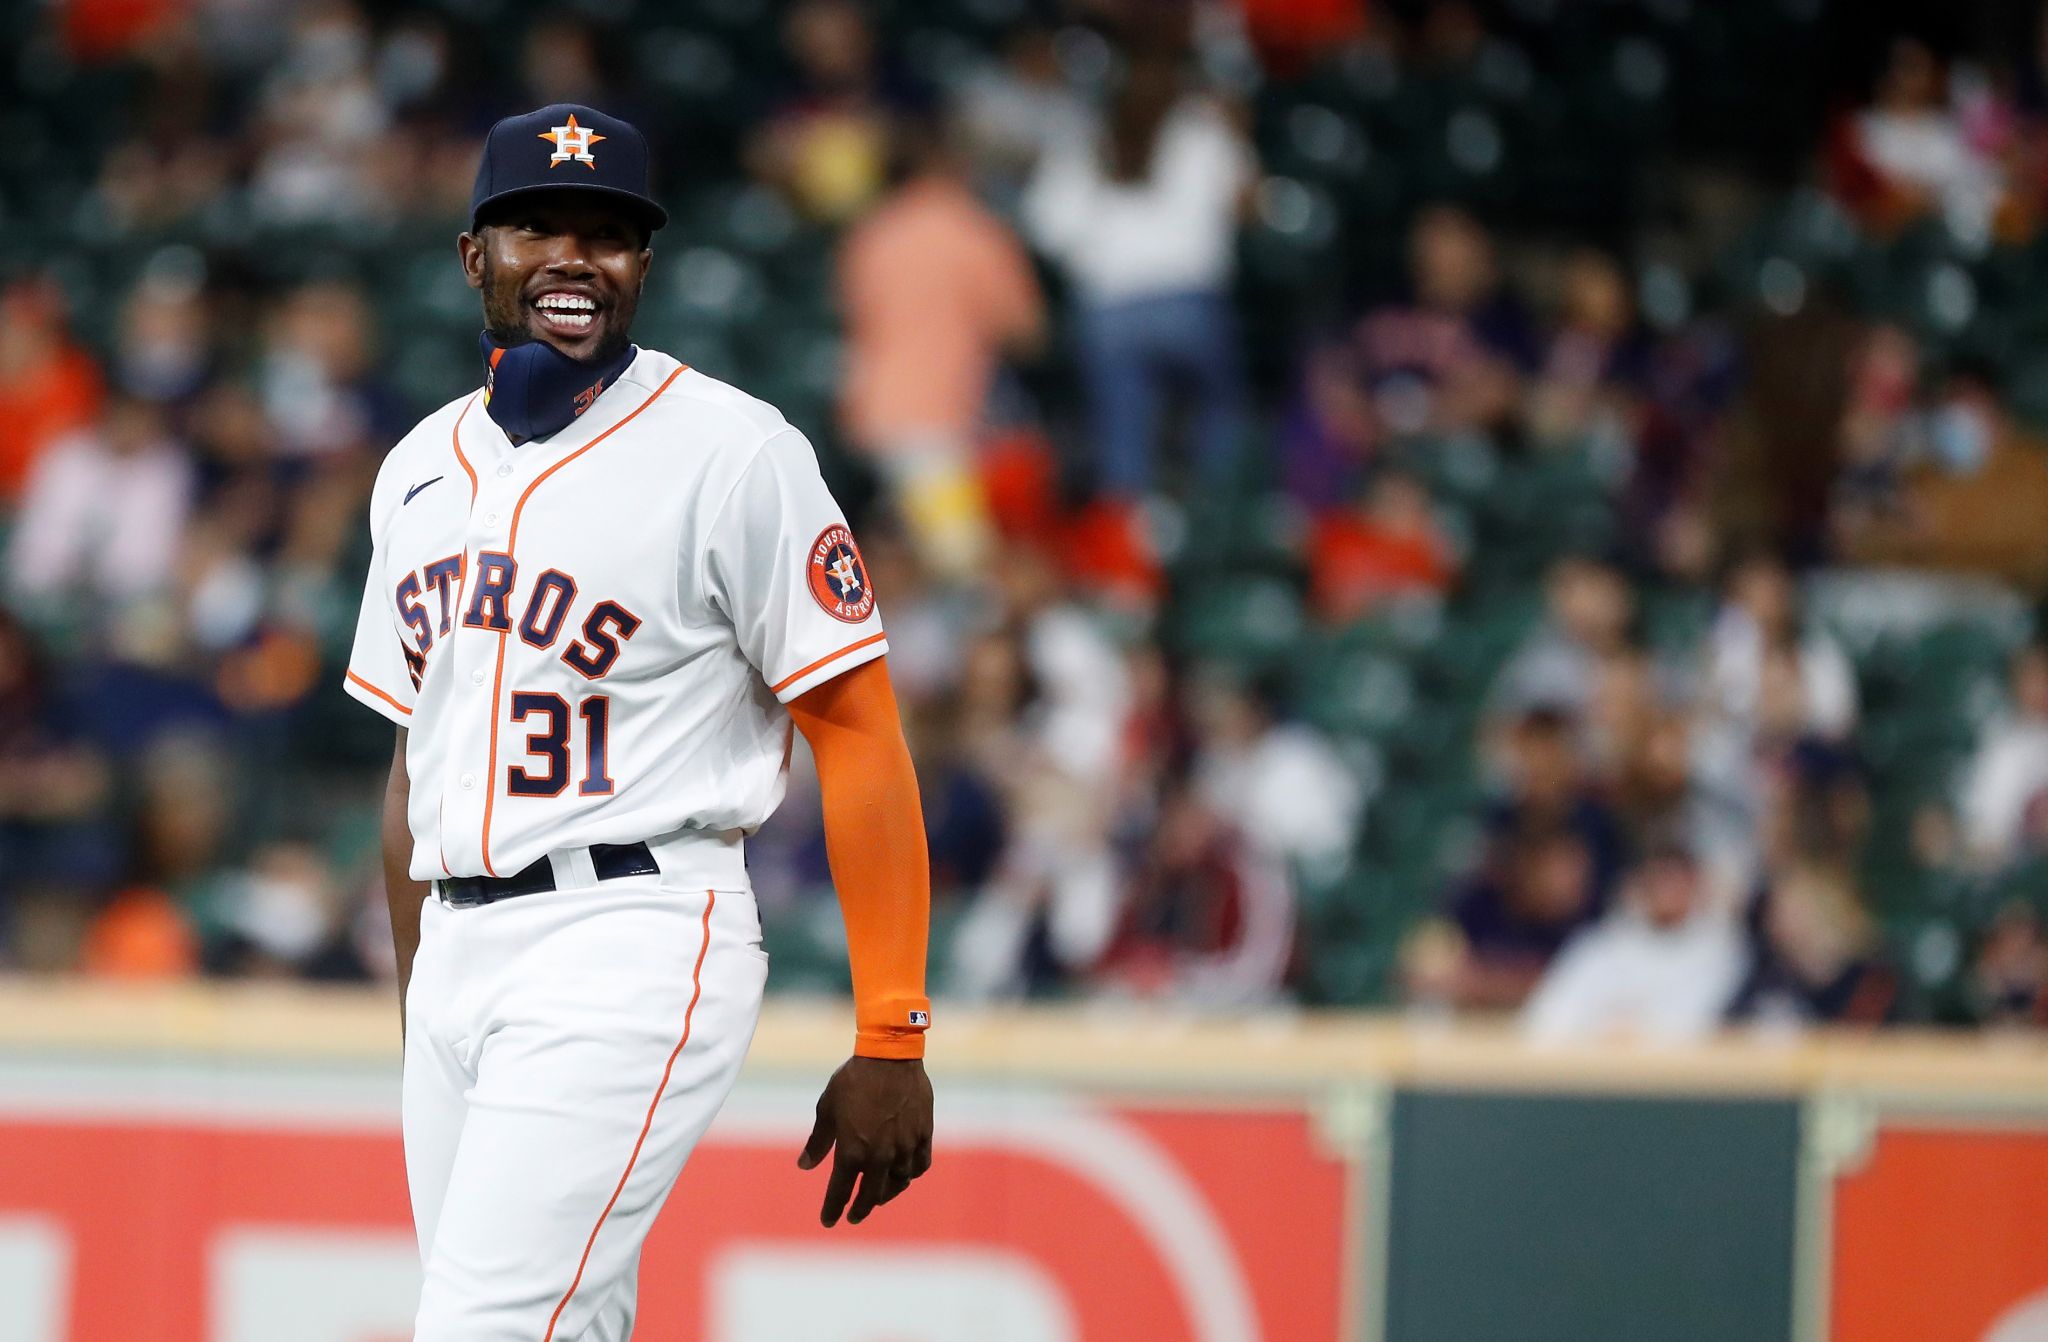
x: 199, y: 1165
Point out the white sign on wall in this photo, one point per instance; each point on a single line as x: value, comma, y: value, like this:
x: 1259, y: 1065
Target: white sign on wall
x: 313, y: 1285
x: 905, y: 1293
x: 35, y: 1279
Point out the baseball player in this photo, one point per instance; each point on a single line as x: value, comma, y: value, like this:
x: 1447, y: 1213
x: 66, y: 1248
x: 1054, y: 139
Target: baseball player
x: 605, y: 590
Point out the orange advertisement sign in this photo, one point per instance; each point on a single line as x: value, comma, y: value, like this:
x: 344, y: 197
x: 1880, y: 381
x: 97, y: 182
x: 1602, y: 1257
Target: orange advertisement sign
x: 1938, y: 1237
x: 1046, y: 1219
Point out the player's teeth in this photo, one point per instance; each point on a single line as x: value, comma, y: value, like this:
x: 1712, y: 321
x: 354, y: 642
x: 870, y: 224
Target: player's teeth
x: 568, y: 310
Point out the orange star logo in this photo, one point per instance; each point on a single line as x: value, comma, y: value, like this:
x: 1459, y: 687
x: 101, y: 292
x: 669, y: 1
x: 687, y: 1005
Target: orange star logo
x: 572, y: 144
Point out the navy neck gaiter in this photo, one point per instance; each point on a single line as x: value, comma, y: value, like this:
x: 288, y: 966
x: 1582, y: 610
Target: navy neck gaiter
x: 533, y: 389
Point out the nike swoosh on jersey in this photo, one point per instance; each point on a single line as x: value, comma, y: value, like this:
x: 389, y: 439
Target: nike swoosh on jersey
x: 418, y: 487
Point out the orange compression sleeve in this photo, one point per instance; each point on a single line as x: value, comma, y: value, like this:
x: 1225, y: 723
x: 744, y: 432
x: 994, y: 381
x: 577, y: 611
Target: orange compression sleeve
x: 874, y: 839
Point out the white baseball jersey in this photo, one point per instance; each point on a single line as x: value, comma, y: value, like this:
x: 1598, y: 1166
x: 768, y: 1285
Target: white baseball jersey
x: 590, y: 637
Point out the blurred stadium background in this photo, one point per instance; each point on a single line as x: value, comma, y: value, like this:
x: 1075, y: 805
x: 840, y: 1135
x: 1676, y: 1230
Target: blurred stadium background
x: 1465, y: 580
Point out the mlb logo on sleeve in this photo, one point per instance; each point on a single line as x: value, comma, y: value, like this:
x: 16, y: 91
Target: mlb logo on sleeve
x: 920, y: 1018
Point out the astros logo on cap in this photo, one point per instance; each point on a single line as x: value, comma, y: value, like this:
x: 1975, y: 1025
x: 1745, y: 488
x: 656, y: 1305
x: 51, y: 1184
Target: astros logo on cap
x: 839, y: 577
x: 572, y: 142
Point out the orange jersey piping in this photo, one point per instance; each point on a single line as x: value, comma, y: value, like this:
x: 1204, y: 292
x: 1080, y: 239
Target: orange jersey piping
x: 512, y: 550
x: 646, y: 1124
x: 379, y: 693
x: 830, y: 657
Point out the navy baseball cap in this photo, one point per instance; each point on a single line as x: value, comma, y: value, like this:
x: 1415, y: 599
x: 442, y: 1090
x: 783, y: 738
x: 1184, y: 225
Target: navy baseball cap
x: 565, y: 146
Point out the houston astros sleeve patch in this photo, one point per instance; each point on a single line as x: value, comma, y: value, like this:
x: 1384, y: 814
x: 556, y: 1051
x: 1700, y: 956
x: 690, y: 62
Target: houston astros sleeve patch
x: 839, y: 576
x: 781, y: 565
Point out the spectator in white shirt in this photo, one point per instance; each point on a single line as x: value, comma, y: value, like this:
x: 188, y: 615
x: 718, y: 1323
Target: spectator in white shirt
x: 104, y: 513
x: 1290, y: 795
x: 1662, y: 967
x: 1768, y: 680
x: 1143, y: 221
x: 2010, y: 771
x: 1912, y: 140
x: 1760, y: 612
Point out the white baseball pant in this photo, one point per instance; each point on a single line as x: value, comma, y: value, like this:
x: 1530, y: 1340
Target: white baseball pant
x: 564, y: 1052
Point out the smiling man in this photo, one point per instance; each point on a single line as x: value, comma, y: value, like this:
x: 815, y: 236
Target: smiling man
x: 604, y: 590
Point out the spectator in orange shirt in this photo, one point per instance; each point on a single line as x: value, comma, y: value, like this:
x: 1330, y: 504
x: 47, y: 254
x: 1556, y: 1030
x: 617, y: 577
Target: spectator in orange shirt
x: 140, y: 936
x: 48, y: 386
x: 936, y: 290
x: 1386, y: 546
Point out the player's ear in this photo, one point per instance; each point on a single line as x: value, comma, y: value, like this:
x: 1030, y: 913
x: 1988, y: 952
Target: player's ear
x: 470, y: 247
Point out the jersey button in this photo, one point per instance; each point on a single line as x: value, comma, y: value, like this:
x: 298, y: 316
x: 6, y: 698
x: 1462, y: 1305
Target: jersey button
x: 490, y: 519
x: 505, y: 470
x: 476, y: 677
x: 469, y: 780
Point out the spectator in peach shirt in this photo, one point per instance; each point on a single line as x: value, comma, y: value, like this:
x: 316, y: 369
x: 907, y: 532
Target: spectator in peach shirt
x: 936, y: 291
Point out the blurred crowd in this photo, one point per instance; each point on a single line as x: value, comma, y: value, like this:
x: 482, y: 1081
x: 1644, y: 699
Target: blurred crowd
x: 1687, y: 788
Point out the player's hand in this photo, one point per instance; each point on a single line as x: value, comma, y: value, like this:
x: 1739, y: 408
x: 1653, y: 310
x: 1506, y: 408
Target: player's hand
x: 877, y: 1112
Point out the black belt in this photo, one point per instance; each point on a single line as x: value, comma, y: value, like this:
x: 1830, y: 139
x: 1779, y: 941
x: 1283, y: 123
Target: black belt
x: 609, y: 860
